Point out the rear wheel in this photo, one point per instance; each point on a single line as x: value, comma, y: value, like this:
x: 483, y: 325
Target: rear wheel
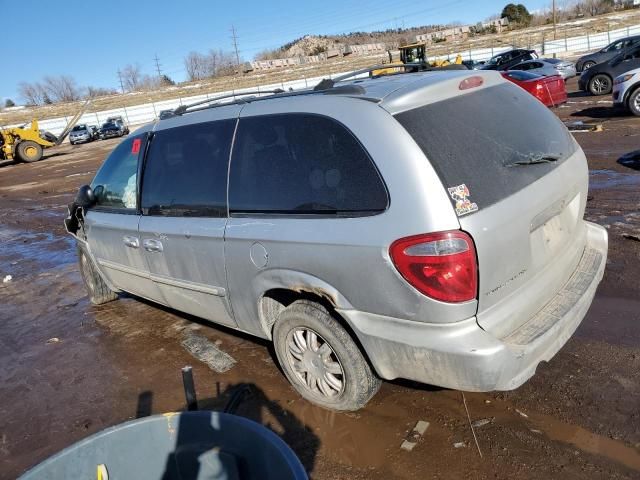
x: 600, y: 84
x: 634, y: 102
x: 97, y: 290
x: 320, y: 358
x: 29, y: 151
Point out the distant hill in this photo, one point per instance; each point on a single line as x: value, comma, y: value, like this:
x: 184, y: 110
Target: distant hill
x: 316, y: 44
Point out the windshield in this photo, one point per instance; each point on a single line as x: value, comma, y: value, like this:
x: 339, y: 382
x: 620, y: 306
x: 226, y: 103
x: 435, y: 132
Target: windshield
x: 500, y: 58
x: 109, y: 125
x: 79, y: 128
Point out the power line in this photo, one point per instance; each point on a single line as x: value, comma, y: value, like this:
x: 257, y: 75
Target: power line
x: 120, y: 78
x: 234, y: 38
x: 157, y: 60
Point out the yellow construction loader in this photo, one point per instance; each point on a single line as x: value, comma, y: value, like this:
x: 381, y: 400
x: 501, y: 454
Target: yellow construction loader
x: 26, y: 144
x: 414, y: 58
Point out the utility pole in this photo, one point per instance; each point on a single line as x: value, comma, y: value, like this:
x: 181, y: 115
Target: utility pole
x: 157, y: 60
x: 234, y: 38
x: 554, y: 18
x: 120, y: 78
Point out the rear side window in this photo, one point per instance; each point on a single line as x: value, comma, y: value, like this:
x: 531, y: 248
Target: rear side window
x: 185, y: 173
x: 492, y: 141
x: 302, y: 164
x: 115, y: 184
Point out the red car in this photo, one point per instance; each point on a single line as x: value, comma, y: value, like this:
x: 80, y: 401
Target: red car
x: 549, y: 90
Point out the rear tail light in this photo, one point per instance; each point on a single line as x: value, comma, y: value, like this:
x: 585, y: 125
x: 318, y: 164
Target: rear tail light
x: 440, y: 265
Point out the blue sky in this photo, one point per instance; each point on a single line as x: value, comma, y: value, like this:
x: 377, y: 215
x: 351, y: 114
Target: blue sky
x: 91, y: 40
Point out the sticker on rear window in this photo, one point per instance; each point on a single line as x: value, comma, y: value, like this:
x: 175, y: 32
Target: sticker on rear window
x: 460, y: 195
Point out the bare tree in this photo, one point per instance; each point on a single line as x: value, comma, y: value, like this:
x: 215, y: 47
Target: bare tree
x: 131, y: 77
x: 196, y: 65
x: 61, y: 89
x: 32, y: 93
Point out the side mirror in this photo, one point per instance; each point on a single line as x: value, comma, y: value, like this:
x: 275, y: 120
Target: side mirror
x: 85, y: 197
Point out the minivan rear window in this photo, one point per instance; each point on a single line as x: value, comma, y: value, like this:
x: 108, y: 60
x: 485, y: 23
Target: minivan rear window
x: 495, y: 141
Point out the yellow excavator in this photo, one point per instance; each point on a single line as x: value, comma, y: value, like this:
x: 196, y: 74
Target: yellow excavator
x: 416, y: 54
x: 26, y: 144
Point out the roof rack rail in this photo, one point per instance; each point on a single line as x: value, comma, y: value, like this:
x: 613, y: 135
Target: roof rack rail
x: 183, y: 108
x: 327, y: 83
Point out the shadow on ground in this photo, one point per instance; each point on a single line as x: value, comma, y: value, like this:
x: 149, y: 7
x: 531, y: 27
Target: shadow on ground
x: 601, y: 112
x: 631, y: 160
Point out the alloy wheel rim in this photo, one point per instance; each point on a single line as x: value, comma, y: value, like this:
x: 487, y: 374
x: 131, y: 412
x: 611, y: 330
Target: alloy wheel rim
x: 636, y: 103
x: 600, y: 85
x: 315, y: 363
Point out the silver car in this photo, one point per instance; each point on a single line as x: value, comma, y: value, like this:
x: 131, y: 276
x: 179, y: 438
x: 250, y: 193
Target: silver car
x: 394, y: 227
x: 81, y: 134
x: 548, y: 67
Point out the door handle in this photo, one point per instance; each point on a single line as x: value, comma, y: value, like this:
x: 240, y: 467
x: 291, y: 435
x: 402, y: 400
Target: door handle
x: 132, y: 242
x: 151, y: 245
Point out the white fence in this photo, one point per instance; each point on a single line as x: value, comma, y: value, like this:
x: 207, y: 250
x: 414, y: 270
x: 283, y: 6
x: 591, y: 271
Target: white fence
x: 583, y: 43
x: 139, y: 114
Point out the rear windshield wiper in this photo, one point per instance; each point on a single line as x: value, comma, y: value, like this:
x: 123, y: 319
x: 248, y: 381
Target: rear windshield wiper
x: 535, y: 158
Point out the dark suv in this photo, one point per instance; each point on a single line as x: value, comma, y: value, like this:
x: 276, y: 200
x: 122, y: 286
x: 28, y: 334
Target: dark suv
x: 506, y: 60
x: 599, y: 79
x: 607, y: 53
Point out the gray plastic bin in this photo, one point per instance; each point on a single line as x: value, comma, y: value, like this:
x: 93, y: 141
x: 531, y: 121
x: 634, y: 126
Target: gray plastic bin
x: 177, y: 446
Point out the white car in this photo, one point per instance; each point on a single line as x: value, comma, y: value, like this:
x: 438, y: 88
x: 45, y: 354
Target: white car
x: 626, y: 91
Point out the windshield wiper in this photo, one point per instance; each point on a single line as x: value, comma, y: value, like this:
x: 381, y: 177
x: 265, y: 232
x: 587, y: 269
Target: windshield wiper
x: 536, y: 158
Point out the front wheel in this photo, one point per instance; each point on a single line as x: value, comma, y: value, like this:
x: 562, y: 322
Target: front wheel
x: 600, y: 84
x: 587, y: 65
x: 634, y: 102
x: 320, y: 358
x: 29, y: 151
x: 97, y: 290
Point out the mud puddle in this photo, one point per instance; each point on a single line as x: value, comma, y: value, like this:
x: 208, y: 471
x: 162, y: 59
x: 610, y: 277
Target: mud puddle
x: 23, y: 253
x: 587, y: 441
x: 606, y: 179
x: 506, y: 413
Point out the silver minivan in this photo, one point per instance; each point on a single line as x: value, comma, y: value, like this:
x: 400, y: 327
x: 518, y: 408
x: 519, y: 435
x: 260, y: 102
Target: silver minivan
x: 426, y: 226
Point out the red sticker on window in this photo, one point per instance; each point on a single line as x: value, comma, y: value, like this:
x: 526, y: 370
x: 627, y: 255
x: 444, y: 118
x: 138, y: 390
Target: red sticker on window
x: 135, y: 148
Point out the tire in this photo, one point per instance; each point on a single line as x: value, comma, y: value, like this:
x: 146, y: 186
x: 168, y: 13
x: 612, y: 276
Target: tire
x: 348, y: 381
x: 600, y: 84
x: 587, y: 65
x: 97, y: 290
x: 29, y: 151
x: 633, y: 103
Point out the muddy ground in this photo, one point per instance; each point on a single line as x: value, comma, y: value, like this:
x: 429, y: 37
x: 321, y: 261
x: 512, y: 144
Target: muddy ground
x: 69, y: 369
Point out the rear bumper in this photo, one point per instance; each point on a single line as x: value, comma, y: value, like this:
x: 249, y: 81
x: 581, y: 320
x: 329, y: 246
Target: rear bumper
x: 466, y: 357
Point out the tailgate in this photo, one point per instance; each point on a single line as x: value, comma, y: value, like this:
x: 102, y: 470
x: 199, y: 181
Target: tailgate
x: 518, y: 182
